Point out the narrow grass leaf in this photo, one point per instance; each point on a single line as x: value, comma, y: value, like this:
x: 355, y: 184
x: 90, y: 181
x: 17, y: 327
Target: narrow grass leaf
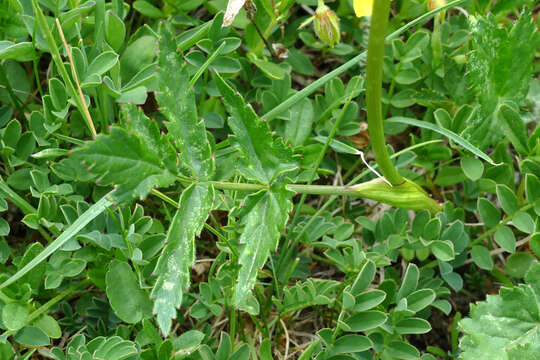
x: 449, y: 134
x: 69, y: 233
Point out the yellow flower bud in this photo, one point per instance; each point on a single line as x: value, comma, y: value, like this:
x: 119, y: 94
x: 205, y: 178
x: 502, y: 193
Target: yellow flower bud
x: 326, y: 24
x: 363, y: 7
x: 434, y: 4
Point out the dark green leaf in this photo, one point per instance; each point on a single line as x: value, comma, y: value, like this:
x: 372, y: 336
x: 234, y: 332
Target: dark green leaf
x: 412, y: 326
x: 482, y: 257
x: 518, y: 264
x: 298, y: 127
x: 420, y: 299
x: 449, y: 134
x: 174, y: 265
x: 472, y: 167
x: 402, y: 350
x: 532, y: 189
x: 177, y: 101
x: 513, y: 128
x: 443, y: 250
x: 32, y: 336
x: 499, y: 69
x: 15, y: 315
x: 524, y: 222
x: 508, y: 199
x: 128, y: 301
x: 364, y: 278
x: 505, y: 238
x: 351, y: 343
x: 490, y: 215
x: 115, y: 30
x: 124, y: 160
x: 265, y: 158
x: 364, y: 321
x: 264, y: 216
x: 409, y: 283
x: 368, y: 300
x: 147, y: 9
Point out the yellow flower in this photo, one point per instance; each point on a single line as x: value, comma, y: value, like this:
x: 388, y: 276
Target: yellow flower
x: 363, y: 7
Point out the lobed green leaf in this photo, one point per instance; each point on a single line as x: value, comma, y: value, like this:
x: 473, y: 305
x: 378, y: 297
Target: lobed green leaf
x: 177, y: 102
x: 178, y: 256
x: 264, y: 216
x: 265, y: 157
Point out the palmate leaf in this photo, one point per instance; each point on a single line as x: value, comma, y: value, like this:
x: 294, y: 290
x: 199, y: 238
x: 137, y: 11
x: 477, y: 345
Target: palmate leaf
x: 177, y: 102
x: 123, y: 159
x: 499, y: 71
x: 265, y: 157
x: 505, y: 326
x: 264, y: 216
x: 174, y: 265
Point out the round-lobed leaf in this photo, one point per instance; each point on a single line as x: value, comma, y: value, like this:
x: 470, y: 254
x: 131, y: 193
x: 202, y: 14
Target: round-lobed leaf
x: 505, y: 238
x: 129, y: 302
x: 15, y: 315
x: 412, y: 326
x: 490, y: 215
x: 402, y: 350
x: 364, y: 321
x: 420, y: 299
x: 482, y: 257
x: 32, y: 336
x: 472, y: 167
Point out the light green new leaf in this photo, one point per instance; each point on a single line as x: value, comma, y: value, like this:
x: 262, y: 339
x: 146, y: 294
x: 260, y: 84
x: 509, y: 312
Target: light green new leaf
x: 264, y: 215
x: 124, y: 160
x: 177, y: 101
x: 176, y: 260
x: 505, y: 326
x: 265, y: 157
x: 128, y: 301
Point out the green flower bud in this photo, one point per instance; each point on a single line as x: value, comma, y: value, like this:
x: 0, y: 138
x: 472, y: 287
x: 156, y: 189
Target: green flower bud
x: 326, y: 24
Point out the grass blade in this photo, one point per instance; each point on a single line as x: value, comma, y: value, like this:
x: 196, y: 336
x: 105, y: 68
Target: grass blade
x: 69, y: 233
x: 449, y: 134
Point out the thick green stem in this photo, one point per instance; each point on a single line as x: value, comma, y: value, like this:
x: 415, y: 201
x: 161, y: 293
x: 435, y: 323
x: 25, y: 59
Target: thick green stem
x: 375, y: 57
